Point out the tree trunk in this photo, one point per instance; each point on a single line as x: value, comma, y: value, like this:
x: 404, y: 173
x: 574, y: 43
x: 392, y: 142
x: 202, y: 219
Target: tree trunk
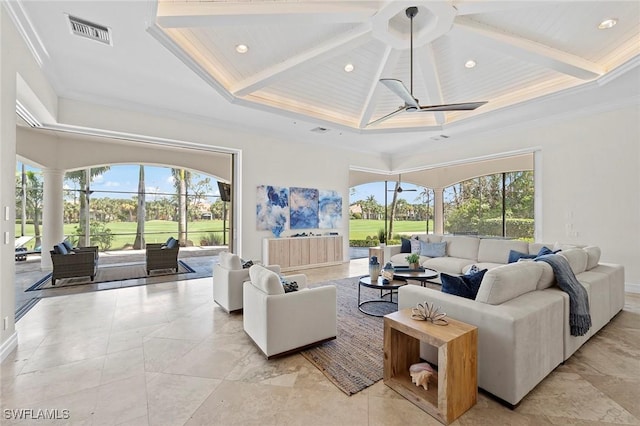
x: 392, y: 213
x: 139, y: 242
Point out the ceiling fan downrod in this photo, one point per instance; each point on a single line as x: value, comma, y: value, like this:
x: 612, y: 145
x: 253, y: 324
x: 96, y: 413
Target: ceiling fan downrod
x: 411, y: 13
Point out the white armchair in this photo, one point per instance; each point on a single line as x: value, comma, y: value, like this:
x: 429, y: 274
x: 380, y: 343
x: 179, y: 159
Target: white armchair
x: 281, y: 323
x: 228, y: 277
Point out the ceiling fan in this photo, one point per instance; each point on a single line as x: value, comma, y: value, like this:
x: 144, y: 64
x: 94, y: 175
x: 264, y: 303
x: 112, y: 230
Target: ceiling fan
x: 411, y: 104
x: 399, y: 190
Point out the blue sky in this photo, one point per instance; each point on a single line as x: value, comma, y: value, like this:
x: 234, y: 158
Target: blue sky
x: 158, y: 179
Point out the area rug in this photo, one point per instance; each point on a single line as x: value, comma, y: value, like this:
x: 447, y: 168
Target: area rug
x: 117, y: 273
x: 355, y: 359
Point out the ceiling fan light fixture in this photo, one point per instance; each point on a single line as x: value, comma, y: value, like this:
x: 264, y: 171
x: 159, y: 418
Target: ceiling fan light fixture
x: 349, y: 67
x: 607, y: 23
x: 242, y: 48
x: 470, y: 63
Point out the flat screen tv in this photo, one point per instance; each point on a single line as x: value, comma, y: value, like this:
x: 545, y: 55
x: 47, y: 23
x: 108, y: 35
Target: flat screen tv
x: 225, y: 191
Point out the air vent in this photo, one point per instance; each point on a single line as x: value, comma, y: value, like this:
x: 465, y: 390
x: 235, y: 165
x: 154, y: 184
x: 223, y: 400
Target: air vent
x: 439, y: 137
x: 90, y: 30
x: 320, y: 130
x: 26, y: 115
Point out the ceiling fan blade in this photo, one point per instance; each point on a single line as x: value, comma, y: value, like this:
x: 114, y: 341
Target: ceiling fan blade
x: 397, y: 87
x: 385, y: 117
x: 466, y: 106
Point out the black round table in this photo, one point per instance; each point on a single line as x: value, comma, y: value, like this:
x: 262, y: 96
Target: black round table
x: 391, y: 288
x: 423, y: 276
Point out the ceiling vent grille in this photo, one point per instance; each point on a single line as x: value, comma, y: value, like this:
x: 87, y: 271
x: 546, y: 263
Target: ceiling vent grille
x: 90, y: 30
x: 320, y: 130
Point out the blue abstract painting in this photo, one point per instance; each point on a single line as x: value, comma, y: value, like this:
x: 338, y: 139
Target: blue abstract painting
x: 272, y: 209
x: 303, y: 205
x: 330, y: 209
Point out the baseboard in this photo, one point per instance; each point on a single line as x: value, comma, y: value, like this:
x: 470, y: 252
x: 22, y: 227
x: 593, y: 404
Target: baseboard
x: 8, y: 346
x: 632, y: 288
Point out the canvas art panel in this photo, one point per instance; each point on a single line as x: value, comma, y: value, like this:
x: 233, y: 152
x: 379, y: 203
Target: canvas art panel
x: 329, y: 209
x: 272, y: 209
x: 303, y: 208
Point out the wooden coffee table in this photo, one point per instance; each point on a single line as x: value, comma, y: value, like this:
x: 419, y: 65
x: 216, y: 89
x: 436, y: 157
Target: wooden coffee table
x: 423, y: 276
x: 391, y: 288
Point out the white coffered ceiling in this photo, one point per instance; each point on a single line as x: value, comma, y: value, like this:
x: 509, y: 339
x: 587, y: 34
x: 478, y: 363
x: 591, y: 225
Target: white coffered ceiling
x: 179, y: 57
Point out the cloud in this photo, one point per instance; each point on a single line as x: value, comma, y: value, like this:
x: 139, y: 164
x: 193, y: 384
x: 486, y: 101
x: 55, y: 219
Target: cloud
x: 111, y: 184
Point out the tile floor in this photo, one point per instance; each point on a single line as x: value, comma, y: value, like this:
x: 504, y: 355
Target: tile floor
x: 165, y: 354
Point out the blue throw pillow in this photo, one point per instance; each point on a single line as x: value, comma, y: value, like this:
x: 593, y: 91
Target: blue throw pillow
x: 433, y: 249
x: 60, y: 249
x: 406, y: 246
x: 172, y: 242
x: 546, y: 250
x: 464, y: 285
x: 514, y: 256
x: 67, y: 245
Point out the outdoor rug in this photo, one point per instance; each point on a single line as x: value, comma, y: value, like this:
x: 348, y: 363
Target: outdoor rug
x: 125, y: 275
x: 355, y: 359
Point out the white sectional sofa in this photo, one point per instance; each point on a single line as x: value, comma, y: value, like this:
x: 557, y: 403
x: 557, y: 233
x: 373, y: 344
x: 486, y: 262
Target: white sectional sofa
x: 521, y: 314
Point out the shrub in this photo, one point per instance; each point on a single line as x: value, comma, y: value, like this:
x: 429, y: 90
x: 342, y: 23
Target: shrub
x: 369, y: 242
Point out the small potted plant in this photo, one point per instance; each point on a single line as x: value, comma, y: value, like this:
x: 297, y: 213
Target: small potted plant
x: 414, y: 260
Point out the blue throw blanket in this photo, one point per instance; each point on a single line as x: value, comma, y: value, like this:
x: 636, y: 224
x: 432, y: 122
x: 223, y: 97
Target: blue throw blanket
x: 579, y: 316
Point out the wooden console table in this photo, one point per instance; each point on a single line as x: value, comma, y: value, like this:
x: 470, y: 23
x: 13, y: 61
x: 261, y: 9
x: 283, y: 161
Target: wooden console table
x: 457, y: 388
x: 302, y: 252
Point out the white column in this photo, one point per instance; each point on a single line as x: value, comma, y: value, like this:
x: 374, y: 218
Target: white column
x: 438, y: 212
x: 52, y: 213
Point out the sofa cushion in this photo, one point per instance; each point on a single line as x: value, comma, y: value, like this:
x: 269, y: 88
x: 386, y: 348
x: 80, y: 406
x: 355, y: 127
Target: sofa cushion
x: 463, y: 285
x: 497, y: 251
x: 448, y: 265
x: 593, y: 256
x: 462, y: 247
x: 508, y: 281
x: 547, y: 279
x: 265, y: 280
x: 433, y: 249
x: 405, y: 246
x: 230, y: 261
x: 577, y: 259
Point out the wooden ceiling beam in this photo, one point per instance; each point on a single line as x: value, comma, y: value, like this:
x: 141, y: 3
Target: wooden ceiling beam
x: 296, y: 64
x: 207, y: 14
x: 386, y: 66
x: 426, y: 61
x: 526, y: 50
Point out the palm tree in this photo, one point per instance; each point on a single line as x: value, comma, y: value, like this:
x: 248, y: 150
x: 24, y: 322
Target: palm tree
x: 142, y: 213
x: 80, y: 177
x: 181, y: 180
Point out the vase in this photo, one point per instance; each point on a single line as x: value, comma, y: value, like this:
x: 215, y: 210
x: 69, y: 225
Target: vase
x: 414, y: 266
x: 374, y: 268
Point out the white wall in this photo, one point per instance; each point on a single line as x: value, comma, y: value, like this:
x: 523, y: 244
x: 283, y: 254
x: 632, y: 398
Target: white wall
x: 590, y: 178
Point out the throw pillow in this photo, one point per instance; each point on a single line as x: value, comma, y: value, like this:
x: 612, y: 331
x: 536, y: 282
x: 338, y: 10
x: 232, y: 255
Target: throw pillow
x: 171, y: 243
x: 60, y: 249
x: 415, y: 246
x: 67, y: 245
x: 545, y: 250
x: 473, y: 270
x: 464, y: 285
x: 246, y: 264
x: 406, y: 246
x: 515, y: 255
x: 288, y: 286
x: 433, y: 249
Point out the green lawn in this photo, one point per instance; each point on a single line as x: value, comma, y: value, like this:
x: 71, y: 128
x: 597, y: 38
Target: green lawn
x: 359, y: 229
x: 160, y: 230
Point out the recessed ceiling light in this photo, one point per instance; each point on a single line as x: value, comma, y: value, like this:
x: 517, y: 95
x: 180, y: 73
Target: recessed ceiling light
x: 470, y: 63
x: 348, y: 67
x: 607, y: 23
x: 242, y: 48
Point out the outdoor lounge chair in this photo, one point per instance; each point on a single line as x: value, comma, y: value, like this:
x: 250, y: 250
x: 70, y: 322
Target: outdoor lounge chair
x: 162, y: 255
x: 72, y: 264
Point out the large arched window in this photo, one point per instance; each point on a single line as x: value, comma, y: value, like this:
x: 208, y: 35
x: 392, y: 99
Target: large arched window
x: 498, y: 205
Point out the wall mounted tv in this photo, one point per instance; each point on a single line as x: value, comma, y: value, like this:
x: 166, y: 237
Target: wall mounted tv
x: 225, y: 191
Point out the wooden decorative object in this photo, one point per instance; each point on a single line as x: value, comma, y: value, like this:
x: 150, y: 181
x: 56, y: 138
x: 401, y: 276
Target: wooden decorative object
x: 456, y: 389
